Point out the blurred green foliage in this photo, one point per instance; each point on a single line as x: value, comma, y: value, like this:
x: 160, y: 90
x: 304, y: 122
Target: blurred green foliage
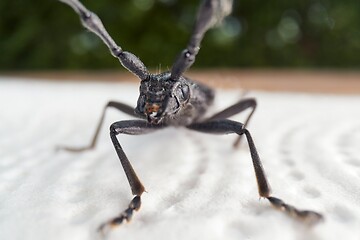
x: 300, y: 33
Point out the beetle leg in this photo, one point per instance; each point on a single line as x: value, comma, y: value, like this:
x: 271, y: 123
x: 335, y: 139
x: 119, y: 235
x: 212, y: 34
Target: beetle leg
x: 242, y: 105
x: 117, y: 105
x: 130, y: 127
x: 227, y: 126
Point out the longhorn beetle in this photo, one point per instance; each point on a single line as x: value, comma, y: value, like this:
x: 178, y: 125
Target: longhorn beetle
x: 171, y: 99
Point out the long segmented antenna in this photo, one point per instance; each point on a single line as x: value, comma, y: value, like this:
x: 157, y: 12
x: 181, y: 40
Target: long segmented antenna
x: 211, y: 12
x: 93, y: 23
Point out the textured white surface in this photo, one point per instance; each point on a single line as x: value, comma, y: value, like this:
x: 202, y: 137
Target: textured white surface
x: 198, y: 186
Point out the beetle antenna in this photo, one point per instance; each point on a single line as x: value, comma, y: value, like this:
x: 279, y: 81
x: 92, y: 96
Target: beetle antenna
x: 211, y: 12
x: 93, y: 23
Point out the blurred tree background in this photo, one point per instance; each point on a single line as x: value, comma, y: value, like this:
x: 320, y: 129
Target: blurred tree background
x: 43, y: 35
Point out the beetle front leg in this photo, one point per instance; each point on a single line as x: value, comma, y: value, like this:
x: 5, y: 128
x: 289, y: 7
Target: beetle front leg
x: 227, y: 126
x: 131, y: 127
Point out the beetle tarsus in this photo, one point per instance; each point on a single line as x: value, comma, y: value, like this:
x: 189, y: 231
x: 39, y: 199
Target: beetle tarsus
x: 126, y: 215
x: 308, y: 217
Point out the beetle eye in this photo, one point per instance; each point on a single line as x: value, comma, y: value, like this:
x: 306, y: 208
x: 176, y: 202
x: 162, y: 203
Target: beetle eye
x: 141, y: 103
x: 185, y: 92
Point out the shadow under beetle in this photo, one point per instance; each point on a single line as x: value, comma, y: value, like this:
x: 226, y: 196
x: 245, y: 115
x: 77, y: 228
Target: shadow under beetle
x: 171, y: 99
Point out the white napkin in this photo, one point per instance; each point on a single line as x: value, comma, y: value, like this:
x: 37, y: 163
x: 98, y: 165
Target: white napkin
x: 198, y: 186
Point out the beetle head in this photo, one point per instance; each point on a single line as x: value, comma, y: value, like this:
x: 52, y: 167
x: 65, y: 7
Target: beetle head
x: 161, y: 97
